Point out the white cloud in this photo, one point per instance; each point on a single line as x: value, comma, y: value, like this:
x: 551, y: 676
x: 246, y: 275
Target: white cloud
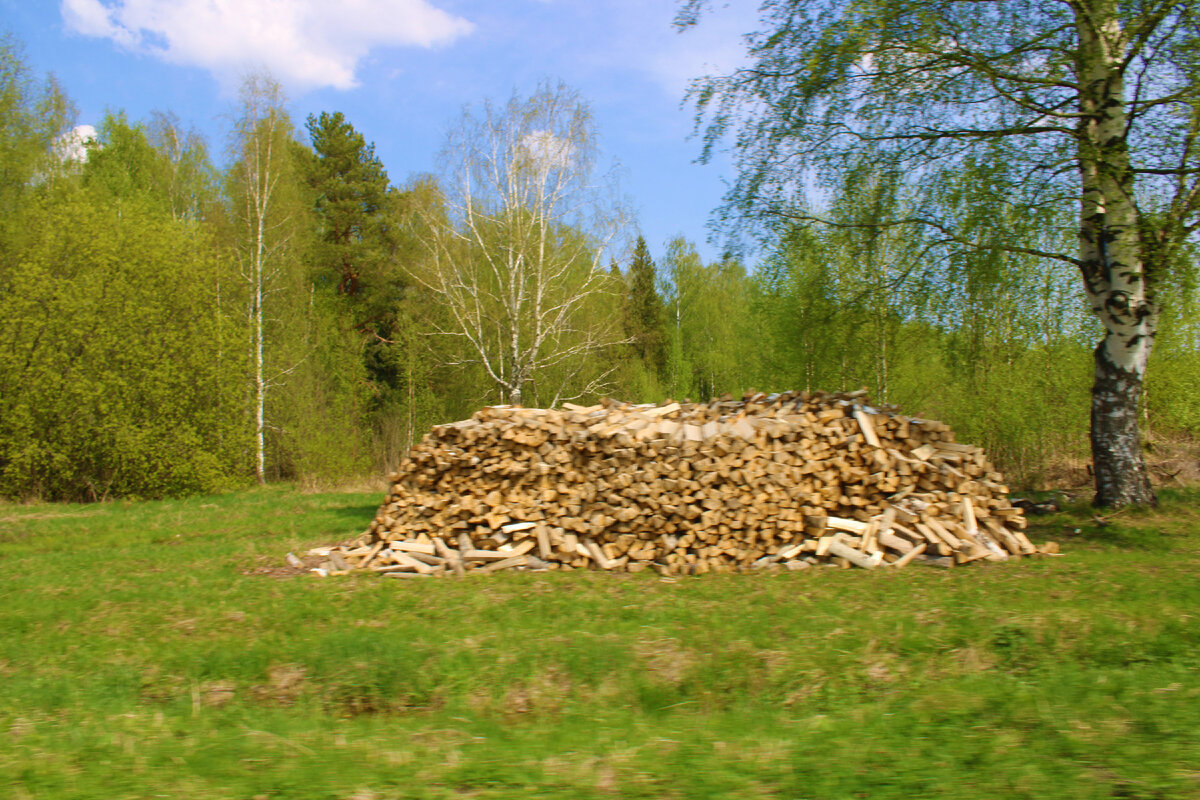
x: 550, y: 151
x: 303, y: 43
x: 71, y: 147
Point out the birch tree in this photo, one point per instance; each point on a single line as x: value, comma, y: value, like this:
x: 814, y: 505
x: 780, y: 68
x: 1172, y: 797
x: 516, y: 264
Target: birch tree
x: 1097, y: 103
x: 186, y: 178
x: 871, y: 266
x: 518, y: 259
x: 34, y: 116
x: 262, y: 178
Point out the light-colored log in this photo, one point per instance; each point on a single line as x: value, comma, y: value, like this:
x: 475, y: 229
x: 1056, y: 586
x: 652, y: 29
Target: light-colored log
x: 518, y: 549
x: 904, y: 560
x: 841, y: 550
x: 849, y: 525
x: 413, y: 547
x: 507, y: 563
x: 866, y: 426
x: 484, y: 555
x: 943, y: 533
x: 597, y: 555
x: 405, y: 559
x: 894, y: 542
x: 543, y: 540
x: 452, y: 557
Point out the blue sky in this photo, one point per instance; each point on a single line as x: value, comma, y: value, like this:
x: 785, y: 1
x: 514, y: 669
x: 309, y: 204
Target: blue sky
x: 402, y: 70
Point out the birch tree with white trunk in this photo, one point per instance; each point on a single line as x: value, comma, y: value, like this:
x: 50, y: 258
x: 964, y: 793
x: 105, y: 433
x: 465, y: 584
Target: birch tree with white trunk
x: 1095, y: 104
x: 518, y: 259
x: 262, y: 177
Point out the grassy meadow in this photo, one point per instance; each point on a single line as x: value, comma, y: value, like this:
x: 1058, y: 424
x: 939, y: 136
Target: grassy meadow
x: 158, y: 649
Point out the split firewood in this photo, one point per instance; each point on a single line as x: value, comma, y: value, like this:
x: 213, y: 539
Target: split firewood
x: 840, y: 550
x: 414, y: 547
x: 904, y: 560
x: 543, y: 540
x: 688, y: 488
x: 366, y: 562
x: 496, y: 566
x: 403, y: 559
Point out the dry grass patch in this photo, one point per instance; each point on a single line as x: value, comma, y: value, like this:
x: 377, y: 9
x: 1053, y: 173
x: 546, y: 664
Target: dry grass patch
x: 664, y: 658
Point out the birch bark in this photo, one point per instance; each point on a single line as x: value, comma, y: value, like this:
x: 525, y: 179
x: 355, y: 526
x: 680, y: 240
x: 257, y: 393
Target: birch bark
x: 262, y: 132
x: 1111, y: 259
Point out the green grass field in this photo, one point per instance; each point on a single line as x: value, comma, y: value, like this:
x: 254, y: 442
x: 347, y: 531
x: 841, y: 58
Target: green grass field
x: 153, y: 650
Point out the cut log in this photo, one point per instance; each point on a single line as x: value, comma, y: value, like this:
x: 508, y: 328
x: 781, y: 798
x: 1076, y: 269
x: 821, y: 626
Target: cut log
x: 413, y: 547
x: 453, y: 559
x: 543, y: 540
x: 854, y: 526
x: 407, y: 560
x: 867, y: 427
x: 485, y: 555
x: 496, y: 566
x: 840, y: 550
x: 597, y: 555
x: 905, y: 559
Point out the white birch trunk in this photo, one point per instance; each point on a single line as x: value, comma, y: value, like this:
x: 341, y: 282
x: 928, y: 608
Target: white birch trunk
x: 1112, y: 262
x: 261, y: 172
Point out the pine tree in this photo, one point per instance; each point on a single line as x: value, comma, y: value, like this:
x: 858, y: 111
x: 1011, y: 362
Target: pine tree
x: 359, y: 244
x: 644, y: 312
x: 351, y: 189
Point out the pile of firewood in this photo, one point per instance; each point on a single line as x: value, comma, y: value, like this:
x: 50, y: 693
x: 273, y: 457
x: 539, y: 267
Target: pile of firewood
x: 782, y: 481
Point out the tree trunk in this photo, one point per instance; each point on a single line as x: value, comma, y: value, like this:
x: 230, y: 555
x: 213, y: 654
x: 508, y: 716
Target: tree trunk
x: 260, y: 385
x: 1120, y: 472
x: 1112, y: 260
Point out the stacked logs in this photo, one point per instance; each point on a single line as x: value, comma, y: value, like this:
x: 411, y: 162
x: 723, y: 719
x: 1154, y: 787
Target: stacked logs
x: 782, y: 481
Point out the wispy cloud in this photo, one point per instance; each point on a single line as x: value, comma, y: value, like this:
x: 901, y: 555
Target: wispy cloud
x: 715, y: 46
x: 305, y: 44
x: 639, y: 36
x: 548, y: 150
x: 72, y: 146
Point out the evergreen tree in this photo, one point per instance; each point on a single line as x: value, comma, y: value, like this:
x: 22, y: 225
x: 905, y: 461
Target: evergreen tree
x: 644, y: 311
x: 361, y: 237
x: 351, y: 188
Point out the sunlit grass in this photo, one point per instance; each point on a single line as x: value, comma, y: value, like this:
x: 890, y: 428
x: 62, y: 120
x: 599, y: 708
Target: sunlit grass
x: 152, y: 649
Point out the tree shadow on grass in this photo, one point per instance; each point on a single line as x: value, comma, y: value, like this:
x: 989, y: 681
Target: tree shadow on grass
x: 357, y: 512
x: 1084, y: 524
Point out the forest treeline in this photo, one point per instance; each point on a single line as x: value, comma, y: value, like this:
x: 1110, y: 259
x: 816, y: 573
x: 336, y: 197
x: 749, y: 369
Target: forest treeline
x: 174, y: 321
